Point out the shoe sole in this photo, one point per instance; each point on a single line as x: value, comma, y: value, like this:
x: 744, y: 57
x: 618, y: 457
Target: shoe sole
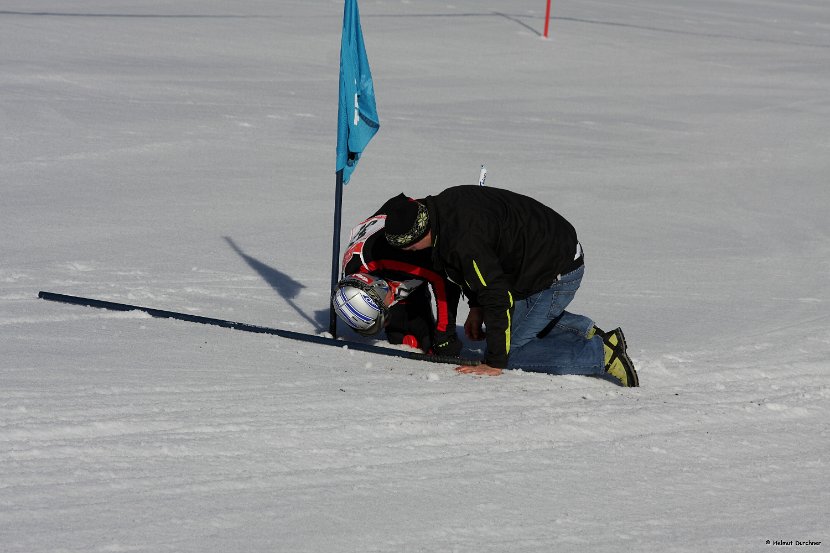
x: 619, y: 352
x: 630, y: 371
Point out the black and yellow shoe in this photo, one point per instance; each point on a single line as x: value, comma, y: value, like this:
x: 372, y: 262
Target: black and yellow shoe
x: 612, y: 339
x: 620, y: 367
x: 615, y: 339
x: 617, y: 362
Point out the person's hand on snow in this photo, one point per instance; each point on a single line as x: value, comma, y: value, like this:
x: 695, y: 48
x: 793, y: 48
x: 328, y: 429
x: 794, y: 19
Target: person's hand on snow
x: 479, y: 370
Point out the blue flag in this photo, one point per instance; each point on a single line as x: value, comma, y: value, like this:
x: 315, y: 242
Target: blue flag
x: 357, y: 116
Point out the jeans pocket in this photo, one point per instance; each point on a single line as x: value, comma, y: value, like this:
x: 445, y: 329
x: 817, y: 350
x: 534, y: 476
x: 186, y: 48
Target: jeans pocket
x: 564, y: 291
x: 560, y: 300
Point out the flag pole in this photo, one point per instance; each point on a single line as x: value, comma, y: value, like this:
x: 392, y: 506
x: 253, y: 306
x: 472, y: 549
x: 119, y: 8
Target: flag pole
x: 357, y: 123
x: 335, y: 249
x: 547, y: 19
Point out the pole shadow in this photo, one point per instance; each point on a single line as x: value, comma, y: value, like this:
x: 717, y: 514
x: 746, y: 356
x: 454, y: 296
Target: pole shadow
x: 515, y: 19
x: 287, y: 288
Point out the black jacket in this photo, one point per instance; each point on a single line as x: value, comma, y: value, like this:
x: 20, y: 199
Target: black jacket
x: 499, y: 246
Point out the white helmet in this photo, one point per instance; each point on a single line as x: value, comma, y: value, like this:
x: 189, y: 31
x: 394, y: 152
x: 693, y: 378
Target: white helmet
x: 360, y: 300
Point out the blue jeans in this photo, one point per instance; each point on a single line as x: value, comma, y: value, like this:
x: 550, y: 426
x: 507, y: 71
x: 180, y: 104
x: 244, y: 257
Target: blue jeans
x: 565, y: 349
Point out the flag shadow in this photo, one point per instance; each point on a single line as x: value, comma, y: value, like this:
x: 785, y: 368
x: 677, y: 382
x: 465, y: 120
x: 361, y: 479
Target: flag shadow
x: 282, y: 284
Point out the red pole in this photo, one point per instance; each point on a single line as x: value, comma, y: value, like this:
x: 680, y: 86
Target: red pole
x: 547, y: 19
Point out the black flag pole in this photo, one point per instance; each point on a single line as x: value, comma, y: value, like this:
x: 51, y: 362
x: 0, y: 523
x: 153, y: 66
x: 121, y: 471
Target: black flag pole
x: 335, y: 249
x: 357, y: 122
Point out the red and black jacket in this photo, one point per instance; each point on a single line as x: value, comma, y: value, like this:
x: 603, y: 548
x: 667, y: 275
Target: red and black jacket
x: 369, y: 252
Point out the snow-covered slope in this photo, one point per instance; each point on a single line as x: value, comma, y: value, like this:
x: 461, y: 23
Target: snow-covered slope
x: 181, y: 155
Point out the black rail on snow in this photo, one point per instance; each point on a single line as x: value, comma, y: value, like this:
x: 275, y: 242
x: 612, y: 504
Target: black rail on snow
x: 291, y: 335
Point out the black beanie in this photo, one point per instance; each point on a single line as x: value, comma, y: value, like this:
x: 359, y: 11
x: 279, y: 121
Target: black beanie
x: 407, y: 221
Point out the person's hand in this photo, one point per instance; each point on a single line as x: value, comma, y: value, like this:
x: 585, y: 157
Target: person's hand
x: 479, y: 370
x: 473, y: 325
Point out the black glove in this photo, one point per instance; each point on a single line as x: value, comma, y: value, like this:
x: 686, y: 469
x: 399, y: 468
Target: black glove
x: 447, y: 345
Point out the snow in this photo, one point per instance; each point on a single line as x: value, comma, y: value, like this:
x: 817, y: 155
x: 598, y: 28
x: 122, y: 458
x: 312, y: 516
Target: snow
x: 181, y: 156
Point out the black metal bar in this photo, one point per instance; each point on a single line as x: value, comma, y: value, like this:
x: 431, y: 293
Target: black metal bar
x: 291, y: 335
x: 335, y: 248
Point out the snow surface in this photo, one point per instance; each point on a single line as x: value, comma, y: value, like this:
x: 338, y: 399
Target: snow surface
x: 180, y: 155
